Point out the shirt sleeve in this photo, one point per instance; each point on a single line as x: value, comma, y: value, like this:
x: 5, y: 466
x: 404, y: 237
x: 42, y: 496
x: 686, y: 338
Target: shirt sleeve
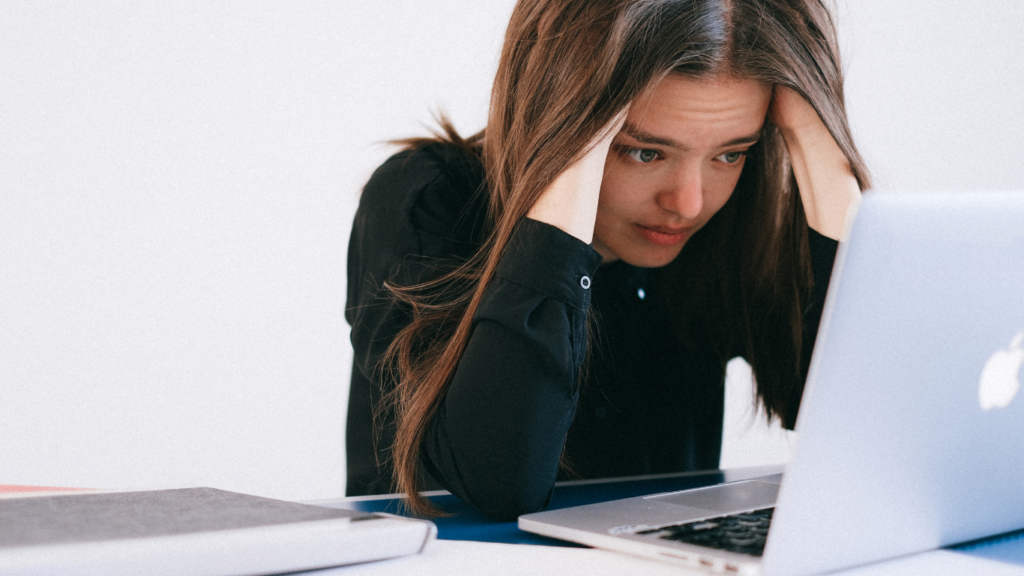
x: 416, y: 219
x: 497, y: 437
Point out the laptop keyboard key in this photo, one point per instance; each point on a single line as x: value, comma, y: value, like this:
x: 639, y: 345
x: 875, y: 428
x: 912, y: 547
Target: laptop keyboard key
x: 741, y: 533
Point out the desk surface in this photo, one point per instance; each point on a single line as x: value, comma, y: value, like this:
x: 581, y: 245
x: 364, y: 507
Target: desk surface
x: 464, y: 523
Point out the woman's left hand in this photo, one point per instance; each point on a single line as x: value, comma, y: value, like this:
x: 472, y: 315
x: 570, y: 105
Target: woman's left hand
x: 828, y: 188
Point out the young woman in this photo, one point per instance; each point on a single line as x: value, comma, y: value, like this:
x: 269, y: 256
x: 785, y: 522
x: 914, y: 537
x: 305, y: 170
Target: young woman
x: 659, y: 189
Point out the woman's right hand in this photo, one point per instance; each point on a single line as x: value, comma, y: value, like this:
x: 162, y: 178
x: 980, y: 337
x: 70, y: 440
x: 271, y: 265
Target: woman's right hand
x: 570, y: 201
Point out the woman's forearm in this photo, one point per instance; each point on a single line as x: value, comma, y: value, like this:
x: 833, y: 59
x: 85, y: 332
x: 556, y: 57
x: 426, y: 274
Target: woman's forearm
x: 828, y: 188
x: 496, y: 439
x: 569, y: 203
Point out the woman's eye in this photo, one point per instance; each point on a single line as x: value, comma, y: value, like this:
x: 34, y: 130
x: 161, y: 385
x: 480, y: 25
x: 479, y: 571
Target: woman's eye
x: 731, y: 157
x: 642, y: 155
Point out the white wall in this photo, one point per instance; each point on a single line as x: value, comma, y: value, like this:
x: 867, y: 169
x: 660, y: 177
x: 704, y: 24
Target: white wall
x: 177, y: 181
x: 936, y: 91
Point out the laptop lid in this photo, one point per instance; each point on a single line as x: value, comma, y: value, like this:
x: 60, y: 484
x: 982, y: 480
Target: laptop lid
x: 901, y: 449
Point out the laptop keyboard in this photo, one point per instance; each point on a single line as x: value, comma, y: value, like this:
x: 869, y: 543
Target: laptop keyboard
x: 742, y: 533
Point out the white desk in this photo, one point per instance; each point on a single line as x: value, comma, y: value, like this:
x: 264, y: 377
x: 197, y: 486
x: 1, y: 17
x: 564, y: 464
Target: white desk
x: 457, y: 558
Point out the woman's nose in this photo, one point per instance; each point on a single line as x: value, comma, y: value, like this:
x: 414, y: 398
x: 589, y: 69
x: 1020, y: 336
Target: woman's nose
x: 685, y: 194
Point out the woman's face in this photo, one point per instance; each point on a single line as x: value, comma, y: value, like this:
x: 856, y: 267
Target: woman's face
x: 674, y: 165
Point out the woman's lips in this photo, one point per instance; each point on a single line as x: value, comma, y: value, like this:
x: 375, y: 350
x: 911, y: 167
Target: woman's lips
x: 663, y: 235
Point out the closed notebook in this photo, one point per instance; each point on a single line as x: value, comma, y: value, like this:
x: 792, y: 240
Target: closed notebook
x: 195, y: 531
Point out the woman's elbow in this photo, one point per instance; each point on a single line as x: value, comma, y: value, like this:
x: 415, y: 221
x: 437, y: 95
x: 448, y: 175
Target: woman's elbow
x: 507, y: 503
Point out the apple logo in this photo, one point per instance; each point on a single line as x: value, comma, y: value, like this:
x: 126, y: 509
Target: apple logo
x: 999, y: 378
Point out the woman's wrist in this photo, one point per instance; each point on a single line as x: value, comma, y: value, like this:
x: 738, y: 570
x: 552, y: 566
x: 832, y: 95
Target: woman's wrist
x: 569, y: 203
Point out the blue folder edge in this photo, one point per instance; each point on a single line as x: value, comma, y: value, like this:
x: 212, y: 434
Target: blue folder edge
x: 464, y: 523
x: 1007, y: 548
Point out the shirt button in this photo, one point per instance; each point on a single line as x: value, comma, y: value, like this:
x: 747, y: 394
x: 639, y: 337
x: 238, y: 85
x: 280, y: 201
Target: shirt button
x: 585, y: 282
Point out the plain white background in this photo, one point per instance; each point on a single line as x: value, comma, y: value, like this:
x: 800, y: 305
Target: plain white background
x: 177, y: 182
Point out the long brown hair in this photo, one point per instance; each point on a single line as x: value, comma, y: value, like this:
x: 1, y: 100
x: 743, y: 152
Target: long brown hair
x: 567, y: 68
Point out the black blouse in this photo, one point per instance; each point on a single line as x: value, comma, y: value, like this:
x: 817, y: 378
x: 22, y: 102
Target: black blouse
x: 645, y: 404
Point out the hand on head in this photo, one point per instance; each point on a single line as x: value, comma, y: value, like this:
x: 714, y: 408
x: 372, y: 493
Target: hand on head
x: 791, y: 112
x: 570, y: 201
x: 828, y: 188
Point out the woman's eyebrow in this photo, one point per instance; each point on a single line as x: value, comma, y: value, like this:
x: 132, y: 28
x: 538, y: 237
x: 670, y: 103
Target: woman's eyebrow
x: 641, y: 136
x: 751, y: 139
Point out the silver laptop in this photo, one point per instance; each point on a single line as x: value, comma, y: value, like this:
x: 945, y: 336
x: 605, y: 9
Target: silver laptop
x: 910, y: 434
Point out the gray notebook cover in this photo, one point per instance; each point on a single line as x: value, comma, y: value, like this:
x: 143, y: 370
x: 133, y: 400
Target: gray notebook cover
x: 83, y: 517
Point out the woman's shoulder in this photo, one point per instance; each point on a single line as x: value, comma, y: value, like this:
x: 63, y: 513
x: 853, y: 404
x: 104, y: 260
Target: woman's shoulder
x: 435, y: 173
x: 435, y: 191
